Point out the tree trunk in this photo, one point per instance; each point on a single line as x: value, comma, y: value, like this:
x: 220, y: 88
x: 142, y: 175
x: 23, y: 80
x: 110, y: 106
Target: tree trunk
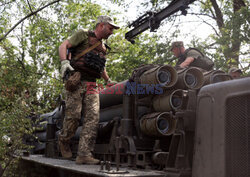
x: 233, y: 56
x: 218, y: 13
x: 237, y: 5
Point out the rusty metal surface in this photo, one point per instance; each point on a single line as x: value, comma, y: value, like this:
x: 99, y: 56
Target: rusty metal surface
x: 93, y: 170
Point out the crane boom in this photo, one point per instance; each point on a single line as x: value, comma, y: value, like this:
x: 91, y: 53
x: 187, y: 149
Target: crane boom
x: 152, y: 20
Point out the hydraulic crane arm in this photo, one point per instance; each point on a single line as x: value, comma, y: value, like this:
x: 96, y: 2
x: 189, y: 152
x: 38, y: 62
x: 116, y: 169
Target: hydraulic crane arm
x: 152, y: 20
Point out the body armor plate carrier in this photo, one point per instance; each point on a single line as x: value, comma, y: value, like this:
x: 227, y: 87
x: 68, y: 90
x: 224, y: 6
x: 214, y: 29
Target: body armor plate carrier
x: 92, y: 64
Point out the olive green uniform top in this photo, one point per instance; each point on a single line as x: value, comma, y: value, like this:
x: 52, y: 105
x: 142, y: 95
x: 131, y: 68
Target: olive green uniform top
x: 79, y: 41
x: 200, y: 60
x: 193, y: 53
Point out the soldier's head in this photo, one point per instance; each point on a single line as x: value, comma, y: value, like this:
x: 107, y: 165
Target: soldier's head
x: 105, y: 27
x: 177, y: 48
x: 235, y: 73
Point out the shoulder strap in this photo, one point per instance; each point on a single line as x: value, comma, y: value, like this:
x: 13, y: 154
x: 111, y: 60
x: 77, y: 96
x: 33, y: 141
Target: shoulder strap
x: 186, y: 51
x: 88, y: 49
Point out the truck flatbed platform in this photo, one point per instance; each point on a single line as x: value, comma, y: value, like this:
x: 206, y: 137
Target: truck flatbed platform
x: 89, y: 170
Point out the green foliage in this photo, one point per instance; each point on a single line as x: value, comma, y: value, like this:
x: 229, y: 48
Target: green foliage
x: 14, y: 108
x: 30, y: 61
x: 14, y: 125
x: 125, y: 57
x: 229, y: 44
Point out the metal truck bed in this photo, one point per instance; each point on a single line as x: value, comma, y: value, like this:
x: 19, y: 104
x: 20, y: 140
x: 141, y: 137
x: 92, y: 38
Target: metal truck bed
x: 89, y: 170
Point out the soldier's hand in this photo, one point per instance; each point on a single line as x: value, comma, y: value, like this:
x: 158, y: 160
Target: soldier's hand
x: 65, y: 65
x: 110, y: 82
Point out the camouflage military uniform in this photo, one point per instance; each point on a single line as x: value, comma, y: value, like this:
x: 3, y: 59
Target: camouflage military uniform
x: 75, y: 101
x: 86, y: 67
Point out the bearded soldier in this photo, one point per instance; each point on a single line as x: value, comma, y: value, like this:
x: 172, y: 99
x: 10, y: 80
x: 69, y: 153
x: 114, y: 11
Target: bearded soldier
x: 83, y: 54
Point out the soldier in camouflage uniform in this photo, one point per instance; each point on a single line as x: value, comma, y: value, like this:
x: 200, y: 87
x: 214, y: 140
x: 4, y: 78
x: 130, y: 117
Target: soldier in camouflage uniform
x: 79, y: 98
x: 190, y: 57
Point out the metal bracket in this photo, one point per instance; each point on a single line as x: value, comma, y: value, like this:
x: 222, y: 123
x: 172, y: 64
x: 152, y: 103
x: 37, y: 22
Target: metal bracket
x: 108, y: 168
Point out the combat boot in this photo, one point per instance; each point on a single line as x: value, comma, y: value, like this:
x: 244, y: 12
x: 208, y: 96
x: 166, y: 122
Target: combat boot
x: 86, y: 160
x: 65, y: 149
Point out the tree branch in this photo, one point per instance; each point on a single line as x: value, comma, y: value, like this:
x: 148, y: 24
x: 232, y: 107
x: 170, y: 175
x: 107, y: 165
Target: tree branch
x: 29, y: 15
x: 209, y: 25
x: 237, y: 4
x: 211, y: 45
x: 203, y: 15
x: 211, y: 11
x: 29, y: 6
x: 6, y: 165
x: 204, y: 4
x: 219, y: 16
x: 6, y: 3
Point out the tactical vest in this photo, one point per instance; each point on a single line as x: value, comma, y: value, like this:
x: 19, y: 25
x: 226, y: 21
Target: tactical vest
x: 92, y: 64
x: 202, y: 61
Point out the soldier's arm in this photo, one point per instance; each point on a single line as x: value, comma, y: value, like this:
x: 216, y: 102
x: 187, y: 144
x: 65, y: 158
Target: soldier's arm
x: 63, y: 49
x: 108, y: 81
x: 105, y: 75
x: 74, y: 40
x: 187, y: 62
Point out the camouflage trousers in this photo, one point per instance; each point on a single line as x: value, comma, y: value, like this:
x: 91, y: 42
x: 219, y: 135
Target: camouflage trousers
x: 75, y: 101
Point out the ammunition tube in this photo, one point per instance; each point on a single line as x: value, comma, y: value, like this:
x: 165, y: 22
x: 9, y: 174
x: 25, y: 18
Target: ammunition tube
x: 157, y: 124
x: 190, y: 78
x: 112, y: 95
x: 168, y: 102
x: 165, y: 75
x: 215, y: 76
x: 220, y: 78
